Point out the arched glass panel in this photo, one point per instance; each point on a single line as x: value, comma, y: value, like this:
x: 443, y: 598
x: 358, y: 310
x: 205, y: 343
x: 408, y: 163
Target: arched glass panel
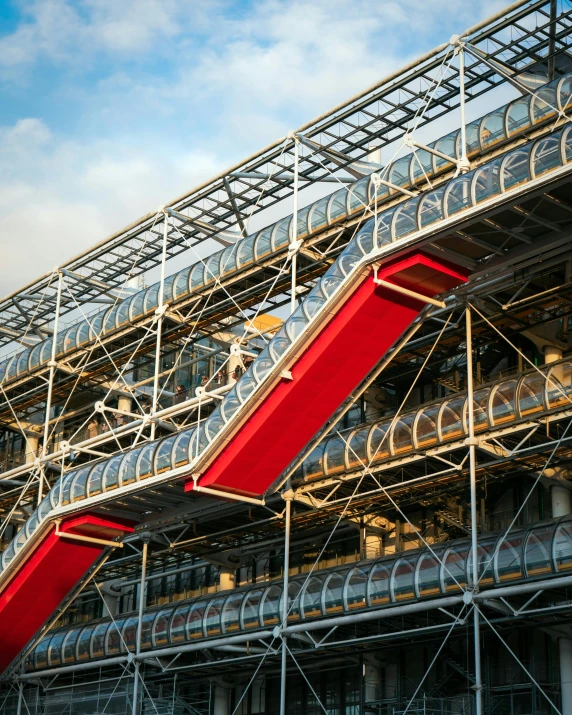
x: 486, y: 181
x: 70, y: 337
x: 263, y: 243
x: 312, y: 598
x: 41, y: 652
x: 399, y: 171
x: 515, y: 168
x: 212, y: 268
x: 356, y: 451
x: 518, y: 115
x: 364, y: 239
x: 78, y: 487
x: 378, y: 448
x: 302, y: 218
x: 113, y: 642
x: 147, y: 628
x: 405, y: 220
x: 181, y: 283
x: 337, y: 207
x: 151, y: 299
x: 34, y: 359
x: 55, y: 649
x: 94, y: 484
x: 11, y: 369
x: 197, y: 277
x: 546, y: 154
x: 335, y: 455
x: 230, y: 405
x: 428, y: 575
x: 164, y: 454
x: 228, y: 260
x: 136, y: 306
x: 565, y: 93
x: 251, y: 609
x: 458, y: 195
x: 128, y: 467
x: 431, y: 208
x: 562, y: 546
x: 484, y: 562
x: 473, y: 134
x: 293, y: 601
x: 194, y: 625
x: 271, y: 606
x: 538, y: 551
x: 314, y: 463
x: 508, y: 559
x: 334, y: 593
x: 83, y: 642
x: 22, y: 365
x: 246, y: 385
x: 531, y: 394
x: 130, y: 634
x: 281, y: 233
x: 111, y: 473
x: 454, y: 571
x: 559, y: 385
x: 98, y: 640
x: 450, y: 422
x: 46, y: 352
x: 503, y: 402
x: 384, y: 223
x: 212, y: 621
x: 278, y: 345
x: 545, y: 103
x: 447, y: 145
x: 168, y: 288
x: 231, y: 613
x: 356, y: 589
x: 296, y: 323
x: 401, y: 434
x: 60, y: 341
x: 402, y: 579
x: 425, y: 429
x: 492, y: 128
x: 123, y: 312
x: 145, y: 462
x: 96, y: 324
x: 68, y: 649
x: 215, y: 423
x: 177, y: 626
x: 422, y: 165
x: 480, y: 409
x: 319, y: 214
x: 181, y: 448
x: 331, y: 280
x: 160, y: 632
x: 245, y: 254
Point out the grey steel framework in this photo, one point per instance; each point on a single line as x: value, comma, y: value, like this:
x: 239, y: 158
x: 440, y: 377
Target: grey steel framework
x: 493, y: 196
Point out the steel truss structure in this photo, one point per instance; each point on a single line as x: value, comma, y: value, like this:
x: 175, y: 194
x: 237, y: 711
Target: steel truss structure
x: 420, y: 529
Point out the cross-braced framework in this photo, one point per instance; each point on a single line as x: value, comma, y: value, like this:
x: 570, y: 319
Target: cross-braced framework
x: 409, y: 525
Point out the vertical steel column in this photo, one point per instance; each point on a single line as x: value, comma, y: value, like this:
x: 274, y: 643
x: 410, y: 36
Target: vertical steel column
x: 20, y: 699
x: 464, y: 164
x: 552, y: 41
x: 136, y: 674
x: 294, y: 239
x: 472, y: 442
x: 159, y: 312
x: 52, y: 366
x: 287, y: 496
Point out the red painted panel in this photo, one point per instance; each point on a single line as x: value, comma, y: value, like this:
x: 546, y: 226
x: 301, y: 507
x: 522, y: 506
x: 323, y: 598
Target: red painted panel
x: 48, y: 575
x: 356, y: 337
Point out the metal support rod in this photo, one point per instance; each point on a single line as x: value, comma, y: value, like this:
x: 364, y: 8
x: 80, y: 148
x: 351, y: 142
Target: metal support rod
x: 474, y: 536
x: 294, y: 238
x: 136, y: 674
x: 464, y: 165
x: 20, y: 698
x: 52, y: 365
x: 287, y: 496
x: 552, y: 41
x: 160, y: 313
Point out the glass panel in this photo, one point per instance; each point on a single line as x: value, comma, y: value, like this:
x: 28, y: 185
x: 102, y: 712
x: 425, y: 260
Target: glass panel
x: 402, y: 579
x: 531, y: 394
x: 136, y: 307
x: 69, y: 645
x: 546, y: 154
x: 399, y: 171
x: 231, y: 613
x: 538, y: 551
x: 177, y: 632
x: 281, y: 234
x: 194, y: 625
x: 473, y: 133
x: 263, y: 243
x: 151, y: 299
x: 426, y: 427
x: 428, y: 575
x: 337, y: 206
x: 296, y: 323
x: 111, y: 473
x: 129, y: 634
x: 364, y: 239
x: 492, y: 128
x: 212, y: 268
x: 181, y: 283
x: 228, y: 260
x: 518, y: 115
x: 61, y: 338
x: 302, y: 229
x: 34, y: 360
x: 181, y: 448
x: 161, y: 628
x: 422, y: 165
x: 335, y: 455
x: 331, y: 280
x: 123, y: 312
x: 83, y: 644
x: 563, y: 546
x: 314, y: 463
x: 197, y: 277
x: 405, y: 220
x: 213, y: 425
x: 22, y: 365
x: 447, y: 145
x: 271, y: 606
x: 312, y: 598
x: 113, y: 643
x: 261, y: 366
x: 246, y: 385
x: 544, y: 104
x: 334, y: 593
x: 402, y: 437
x: 378, y: 443
x: 484, y: 561
x: 356, y: 588
x: 503, y: 402
x: 212, y: 617
x: 128, y: 467
x: 450, y: 423
x: 146, y: 628
x: 508, y: 560
x: 251, y: 609
x: 78, y: 487
x: 480, y: 409
x: 318, y: 217
x: 383, y: 233
x: 278, y: 345
x: 559, y: 385
x: 515, y: 168
x: 41, y: 652
x: 565, y: 93
x: 94, y: 479
x: 486, y: 181
x: 356, y: 451
x: 431, y: 208
x: 55, y: 649
x: 454, y: 571
x: 245, y: 254
x: 98, y: 640
x: 145, y: 462
x: 458, y: 195
x: 164, y: 454
x: 70, y: 338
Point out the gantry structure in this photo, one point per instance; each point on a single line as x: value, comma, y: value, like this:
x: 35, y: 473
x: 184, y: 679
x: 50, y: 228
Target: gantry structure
x: 320, y: 463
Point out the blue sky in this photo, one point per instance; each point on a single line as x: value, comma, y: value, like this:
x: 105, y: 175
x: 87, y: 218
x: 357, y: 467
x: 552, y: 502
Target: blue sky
x: 109, y: 108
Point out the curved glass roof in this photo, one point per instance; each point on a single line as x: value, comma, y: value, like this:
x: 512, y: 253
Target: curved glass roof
x: 494, y: 178
x: 482, y: 135
x: 540, y: 551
